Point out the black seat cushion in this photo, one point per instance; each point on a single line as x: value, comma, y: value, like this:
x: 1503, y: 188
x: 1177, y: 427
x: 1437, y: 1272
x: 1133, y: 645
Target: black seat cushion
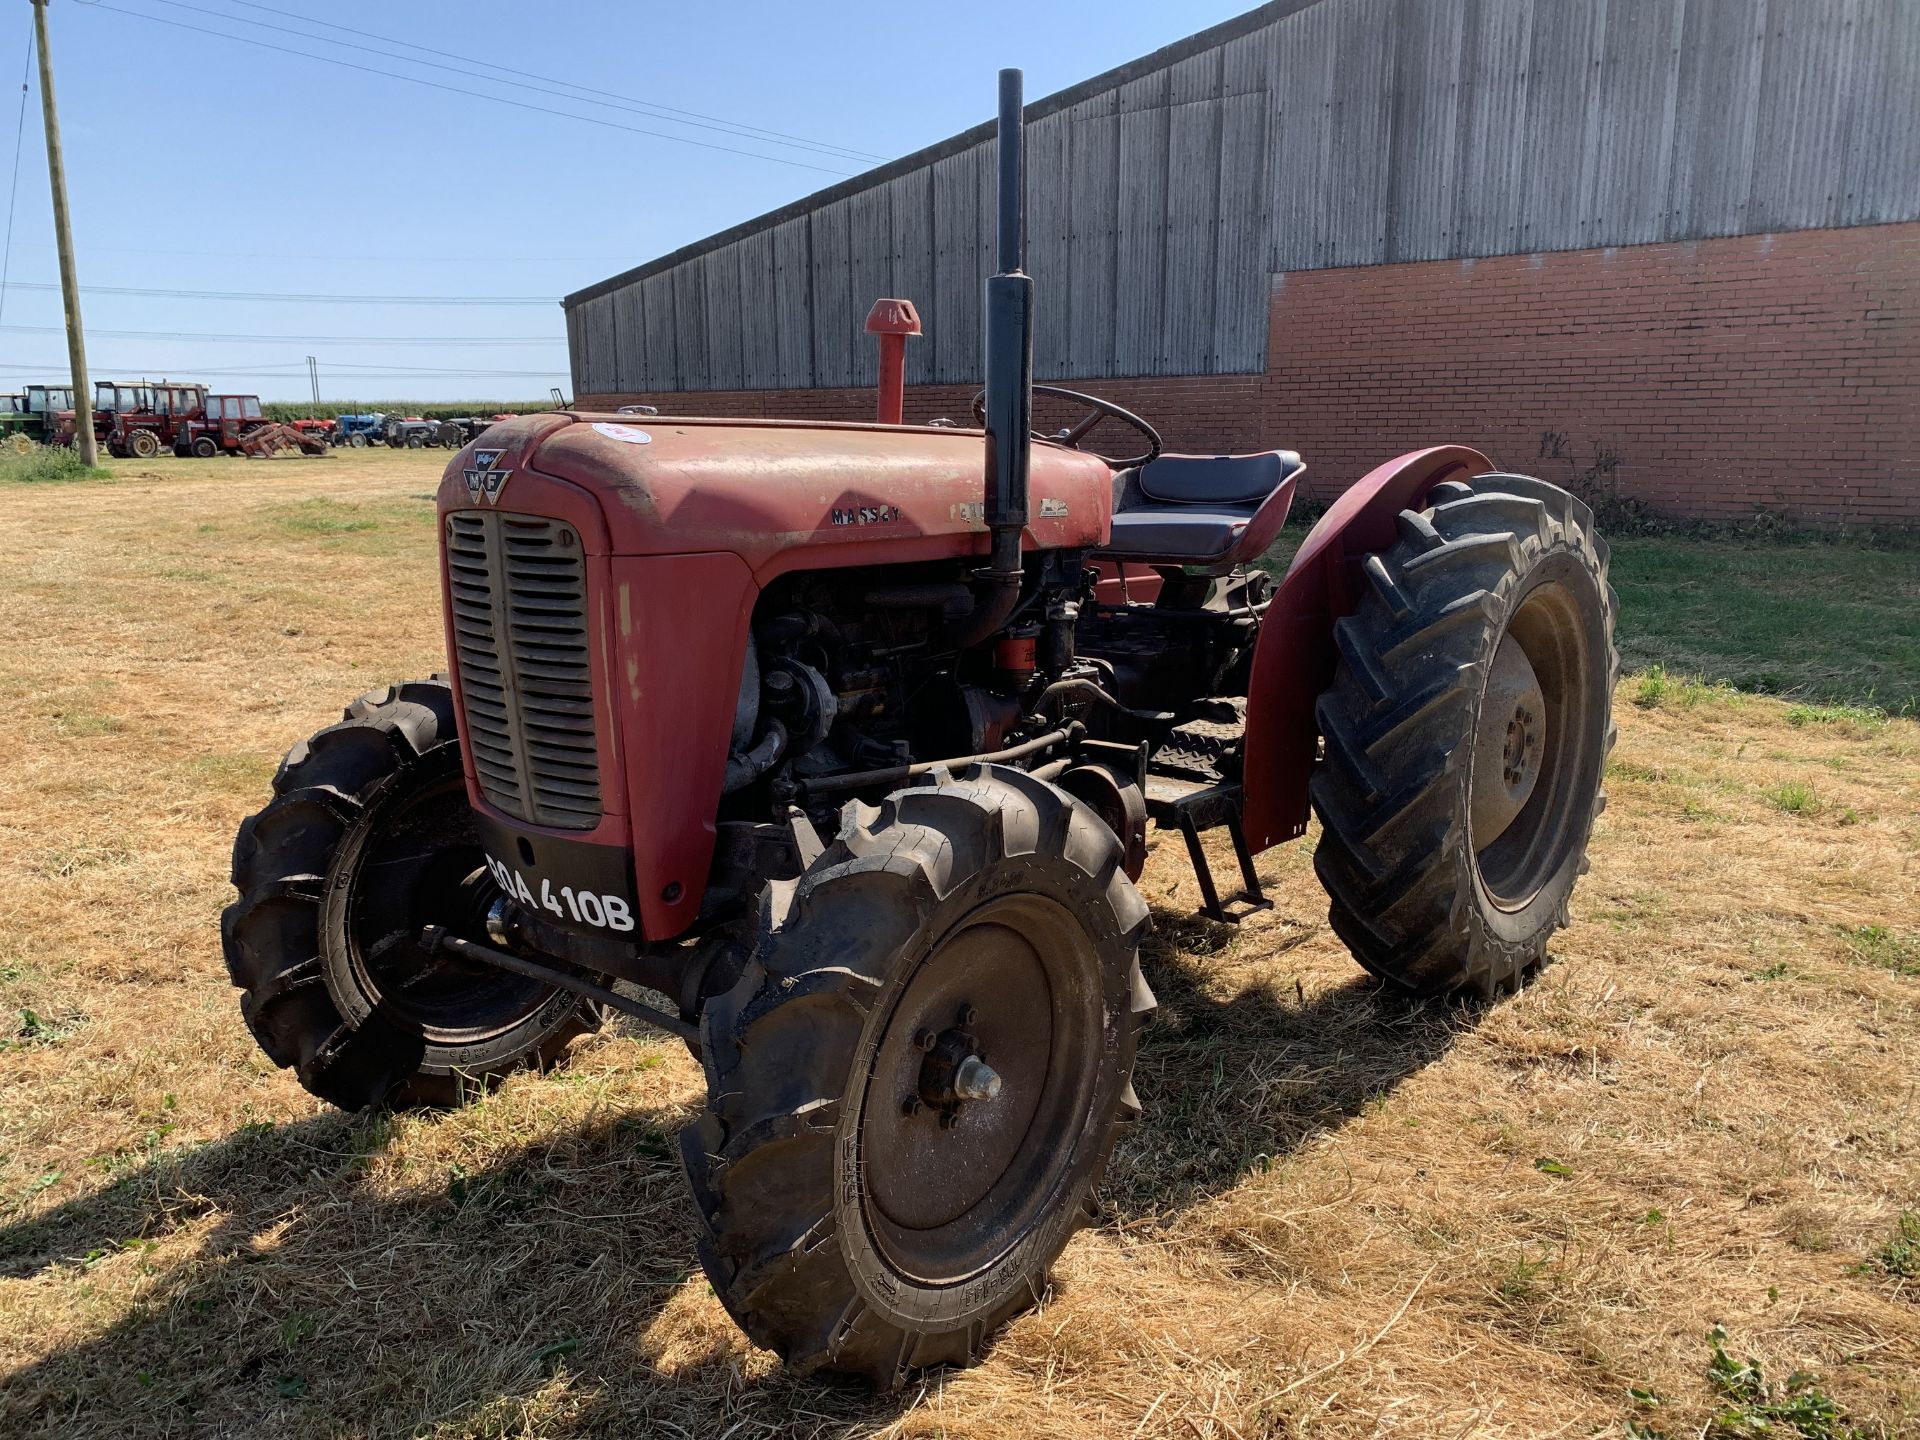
x: 1183, y: 532
x: 1216, y: 479
x: 1192, y: 508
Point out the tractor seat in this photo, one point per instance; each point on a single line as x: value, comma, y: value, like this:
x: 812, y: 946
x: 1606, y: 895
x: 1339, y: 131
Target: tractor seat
x: 1210, y: 510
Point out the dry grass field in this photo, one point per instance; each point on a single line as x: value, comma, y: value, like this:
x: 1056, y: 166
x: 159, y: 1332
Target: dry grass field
x: 1345, y: 1215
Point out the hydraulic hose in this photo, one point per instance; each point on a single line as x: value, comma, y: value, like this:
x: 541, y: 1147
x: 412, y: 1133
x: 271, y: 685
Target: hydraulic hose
x: 744, y: 769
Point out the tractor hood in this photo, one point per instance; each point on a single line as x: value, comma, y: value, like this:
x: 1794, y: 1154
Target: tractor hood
x: 782, y: 495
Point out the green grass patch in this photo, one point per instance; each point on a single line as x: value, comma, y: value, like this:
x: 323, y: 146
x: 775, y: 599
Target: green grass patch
x: 46, y: 465
x: 321, y: 516
x: 31, y: 1028
x: 1755, y: 1406
x: 1656, y: 689
x: 79, y: 723
x: 1852, y: 719
x: 240, y: 773
x: 1833, y: 625
x: 1883, y: 948
x: 1749, y: 1405
x: 1795, y: 797
x: 1899, y: 1257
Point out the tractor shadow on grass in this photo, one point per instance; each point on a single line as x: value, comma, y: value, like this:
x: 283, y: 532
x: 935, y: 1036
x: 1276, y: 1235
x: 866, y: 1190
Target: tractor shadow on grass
x: 1234, y: 1076
x: 554, y: 1289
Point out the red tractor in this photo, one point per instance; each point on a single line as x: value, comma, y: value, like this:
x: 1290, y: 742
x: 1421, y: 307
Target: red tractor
x: 236, y: 425
x: 137, y: 418
x: 147, y: 418
x: 845, y: 738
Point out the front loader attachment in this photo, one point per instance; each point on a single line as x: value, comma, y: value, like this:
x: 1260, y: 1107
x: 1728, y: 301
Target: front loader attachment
x: 273, y: 440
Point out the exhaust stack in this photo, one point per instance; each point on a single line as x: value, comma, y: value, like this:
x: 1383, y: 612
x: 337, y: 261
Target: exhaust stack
x: 1009, y: 381
x: 1009, y: 333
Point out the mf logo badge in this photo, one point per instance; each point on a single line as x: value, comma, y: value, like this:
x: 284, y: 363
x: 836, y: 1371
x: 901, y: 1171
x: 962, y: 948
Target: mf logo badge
x: 484, y: 482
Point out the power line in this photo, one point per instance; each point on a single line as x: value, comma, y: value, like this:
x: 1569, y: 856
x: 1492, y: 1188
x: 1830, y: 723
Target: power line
x: 277, y: 296
x: 428, y: 370
x: 13, y: 185
x: 738, y: 127
x: 520, y: 79
x: 350, y: 255
x: 460, y: 90
x: 289, y: 370
x: 294, y: 339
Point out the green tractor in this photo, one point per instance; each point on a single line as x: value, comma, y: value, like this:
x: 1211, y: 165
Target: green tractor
x: 31, y: 417
x: 15, y: 424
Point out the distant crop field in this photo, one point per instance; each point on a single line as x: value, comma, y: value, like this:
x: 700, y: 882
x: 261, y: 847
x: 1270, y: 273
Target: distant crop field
x: 1344, y: 1215
x: 425, y: 409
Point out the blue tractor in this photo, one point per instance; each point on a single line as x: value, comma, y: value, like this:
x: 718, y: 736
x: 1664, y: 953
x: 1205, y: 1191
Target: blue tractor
x: 359, y: 431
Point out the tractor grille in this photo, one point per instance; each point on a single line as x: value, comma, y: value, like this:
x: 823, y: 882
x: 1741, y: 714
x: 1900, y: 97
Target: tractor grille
x: 519, y: 590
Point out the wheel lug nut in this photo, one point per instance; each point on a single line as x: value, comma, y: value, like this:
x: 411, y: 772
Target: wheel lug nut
x: 968, y: 1014
x: 949, y: 1119
x: 923, y: 1040
x: 911, y: 1106
x: 975, y: 1080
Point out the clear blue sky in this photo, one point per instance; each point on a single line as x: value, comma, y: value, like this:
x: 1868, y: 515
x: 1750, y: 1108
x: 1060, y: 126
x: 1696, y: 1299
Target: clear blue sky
x: 198, y: 163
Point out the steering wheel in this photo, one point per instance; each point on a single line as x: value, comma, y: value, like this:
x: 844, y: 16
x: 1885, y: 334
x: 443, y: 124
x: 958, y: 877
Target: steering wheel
x: 1097, y: 410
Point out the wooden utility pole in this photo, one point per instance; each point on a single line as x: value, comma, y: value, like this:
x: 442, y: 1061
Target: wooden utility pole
x: 63, y: 232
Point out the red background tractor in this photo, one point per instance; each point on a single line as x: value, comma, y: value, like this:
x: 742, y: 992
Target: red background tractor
x: 236, y: 425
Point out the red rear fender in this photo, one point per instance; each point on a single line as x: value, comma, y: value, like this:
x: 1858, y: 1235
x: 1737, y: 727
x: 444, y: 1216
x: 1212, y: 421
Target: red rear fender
x: 1293, y: 661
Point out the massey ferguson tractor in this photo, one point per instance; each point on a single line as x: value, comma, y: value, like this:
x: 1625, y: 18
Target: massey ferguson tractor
x: 835, y: 747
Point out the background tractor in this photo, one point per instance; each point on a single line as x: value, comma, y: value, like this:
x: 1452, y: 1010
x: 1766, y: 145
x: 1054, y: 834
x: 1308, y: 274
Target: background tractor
x: 410, y: 432
x: 19, y: 428
x: 44, y: 404
x: 236, y: 425
x: 359, y: 431
x: 463, y: 430
x: 141, y: 418
x: 840, y: 763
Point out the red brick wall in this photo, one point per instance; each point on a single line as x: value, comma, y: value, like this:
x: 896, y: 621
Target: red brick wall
x: 1704, y: 378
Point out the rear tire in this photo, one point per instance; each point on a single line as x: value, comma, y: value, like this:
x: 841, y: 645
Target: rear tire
x: 367, y: 839
x: 848, y: 1227
x: 1466, y: 735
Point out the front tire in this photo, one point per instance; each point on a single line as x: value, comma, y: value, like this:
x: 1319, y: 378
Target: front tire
x: 857, y: 1220
x: 369, y: 838
x: 1466, y: 735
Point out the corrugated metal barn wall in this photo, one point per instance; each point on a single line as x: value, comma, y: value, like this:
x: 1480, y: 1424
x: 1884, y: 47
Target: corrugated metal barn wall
x: 1341, y: 132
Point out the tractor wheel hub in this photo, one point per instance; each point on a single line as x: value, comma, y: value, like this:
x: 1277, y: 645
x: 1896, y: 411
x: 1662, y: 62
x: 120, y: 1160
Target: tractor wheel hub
x: 1511, y: 745
x: 955, y: 1070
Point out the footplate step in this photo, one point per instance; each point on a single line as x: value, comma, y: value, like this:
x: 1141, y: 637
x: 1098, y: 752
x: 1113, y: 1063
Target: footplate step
x: 1190, y: 808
